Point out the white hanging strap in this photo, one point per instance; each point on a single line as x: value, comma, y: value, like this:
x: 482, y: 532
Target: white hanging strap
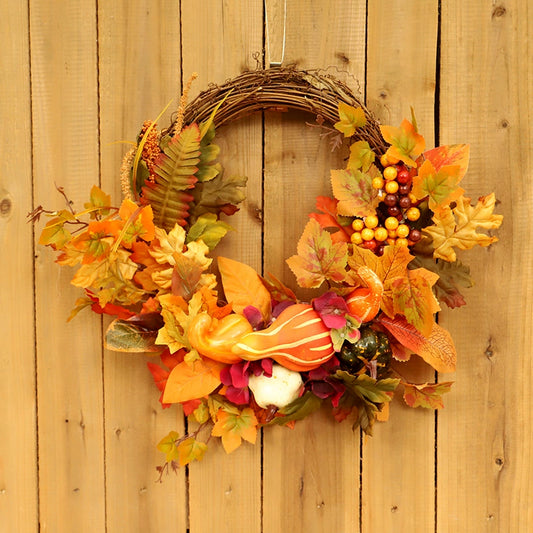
x: 276, y: 63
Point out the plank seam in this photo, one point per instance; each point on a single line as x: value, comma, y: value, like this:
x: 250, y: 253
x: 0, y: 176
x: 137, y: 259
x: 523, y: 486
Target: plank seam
x: 102, y: 350
x: 263, y: 148
x: 436, y: 128
x: 33, y: 248
x: 185, y: 419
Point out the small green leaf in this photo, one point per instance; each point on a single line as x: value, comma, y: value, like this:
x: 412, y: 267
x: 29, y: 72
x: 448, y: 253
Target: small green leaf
x: 298, y: 409
x: 209, y: 229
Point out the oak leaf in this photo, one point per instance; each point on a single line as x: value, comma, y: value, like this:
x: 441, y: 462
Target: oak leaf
x: 243, y: 287
x: 318, y: 258
x: 353, y: 189
x: 458, y: 226
x: 437, y: 349
x: 235, y: 427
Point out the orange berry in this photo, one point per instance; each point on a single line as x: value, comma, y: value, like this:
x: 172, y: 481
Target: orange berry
x: 392, y: 160
x: 391, y: 186
x: 412, y: 214
x: 371, y: 221
x: 381, y: 234
x: 377, y: 182
x: 403, y: 230
x: 356, y: 238
x: 358, y: 224
x: 384, y: 160
x: 390, y: 173
x: 402, y: 242
x: 392, y: 234
x: 391, y: 241
x: 413, y: 198
x: 367, y: 234
x: 391, y: 223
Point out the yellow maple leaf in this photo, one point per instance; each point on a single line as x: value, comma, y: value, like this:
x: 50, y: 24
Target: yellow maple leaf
x: 351, y: 118
x: 168, y: 244
x: 191, y: 450
x: 234, y: 427
x: 177, y: 315
x: 457, y: 227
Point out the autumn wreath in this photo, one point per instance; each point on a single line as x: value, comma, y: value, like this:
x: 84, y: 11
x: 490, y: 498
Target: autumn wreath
x: 241, y: 351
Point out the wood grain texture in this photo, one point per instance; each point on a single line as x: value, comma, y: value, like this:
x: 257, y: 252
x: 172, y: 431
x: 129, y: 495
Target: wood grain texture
x: 18, y: 424
x: 139, y: 74
x: 311, y: 474
x: 401, y: 72
x: 485, y: 433
x: 219, y: 40
x: 69, y: 363
x: 79, y: 427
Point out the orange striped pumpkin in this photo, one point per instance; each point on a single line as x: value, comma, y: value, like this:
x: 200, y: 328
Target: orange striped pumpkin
x: 297, y: 340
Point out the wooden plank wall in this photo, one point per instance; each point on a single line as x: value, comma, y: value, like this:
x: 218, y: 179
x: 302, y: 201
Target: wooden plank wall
x: 79, y: 425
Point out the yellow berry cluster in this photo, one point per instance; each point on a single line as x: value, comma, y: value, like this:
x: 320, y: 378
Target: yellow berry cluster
x: 398, y: 207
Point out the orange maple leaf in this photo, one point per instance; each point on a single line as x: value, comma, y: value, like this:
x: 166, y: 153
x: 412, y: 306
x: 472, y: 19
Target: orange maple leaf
x: 318, y: 257
x: 406, y: 143
x: 390, y: 266
x: 233, y: 427
x: 441, y: 186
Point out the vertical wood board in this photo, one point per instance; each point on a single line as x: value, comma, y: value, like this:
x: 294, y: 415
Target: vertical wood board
x: 219, y: 41
x: 18, y: 427
x: 311, y: 473
x: 69, y: 365
x: 485, y: 434
x: 401, y: 73
x: 139, y: 71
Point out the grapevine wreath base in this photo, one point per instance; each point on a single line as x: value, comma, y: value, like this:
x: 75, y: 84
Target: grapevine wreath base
x: 241, y: 351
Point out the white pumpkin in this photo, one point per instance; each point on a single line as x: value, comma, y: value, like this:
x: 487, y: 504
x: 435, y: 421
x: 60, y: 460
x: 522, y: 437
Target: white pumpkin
x: 280, y: 390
